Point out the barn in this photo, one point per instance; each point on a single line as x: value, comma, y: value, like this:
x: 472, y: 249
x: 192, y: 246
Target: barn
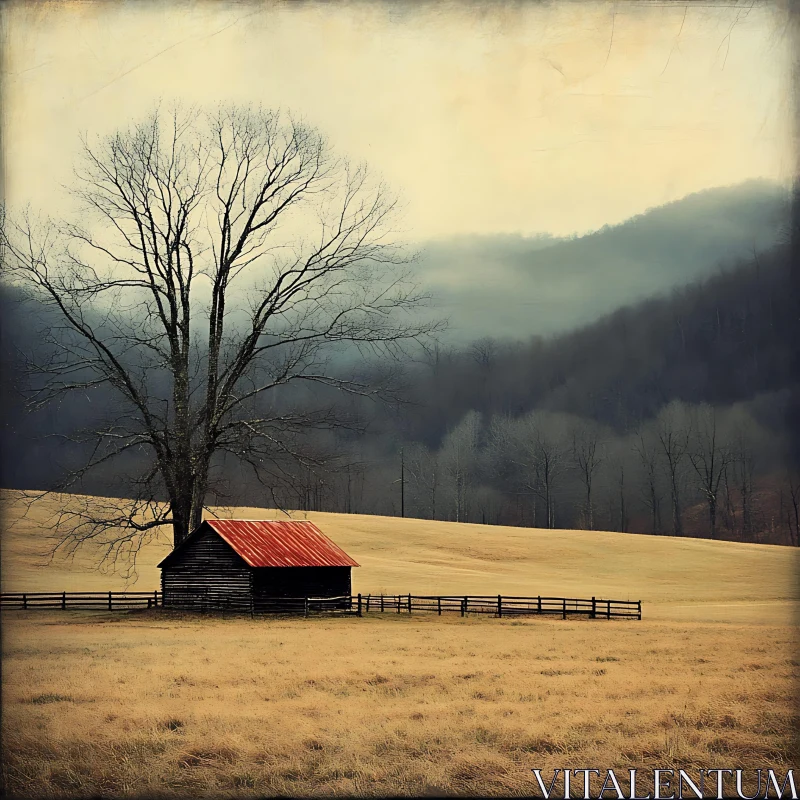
x: 238, y: 563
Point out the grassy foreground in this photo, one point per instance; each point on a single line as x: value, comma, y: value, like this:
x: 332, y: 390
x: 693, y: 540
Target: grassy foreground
x: 157, y: 704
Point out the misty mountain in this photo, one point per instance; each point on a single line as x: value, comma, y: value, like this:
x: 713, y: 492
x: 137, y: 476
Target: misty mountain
x: 515, y: 286
x: 724, y: 339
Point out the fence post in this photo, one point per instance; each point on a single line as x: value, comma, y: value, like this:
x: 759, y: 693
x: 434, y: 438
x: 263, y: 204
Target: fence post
x: 63, y: 599
x: 409, y: 604
x: 25, y: 602
x: 398, y: 604
x: 381, y: 603
x: 564, y: 608
x: 499, y: 606
x: 155, y: 598
x: 109, y: 601
x: 639, y: 609
x: 539, y: 604
x: 358, y: 613
x: 368, y: 599
x: 608, y: 609
x: 594, y: 608
x: 439, y: 605
x: 466, y: 603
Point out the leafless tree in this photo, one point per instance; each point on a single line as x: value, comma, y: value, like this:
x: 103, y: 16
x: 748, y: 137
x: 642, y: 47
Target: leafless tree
x: 550, y: 463
x: 645, y: 448
x: 352, y: 489
x: 536, y: 445
x: 587, y: 457
x: 792, y: 481
x: 710, y: 459
x: 743, y: 470
x: 484, y: 353
x: 223, y: 255
x: 422, y: 467
x: 459, y: 457
x: 672, y: 432
x: 616, y: 498
x: 623, y: 510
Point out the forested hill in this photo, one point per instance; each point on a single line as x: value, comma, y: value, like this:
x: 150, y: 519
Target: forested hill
x: 522, y: 286
x: 493, y: 428
x: 721, y: 340
x: 610, y: 426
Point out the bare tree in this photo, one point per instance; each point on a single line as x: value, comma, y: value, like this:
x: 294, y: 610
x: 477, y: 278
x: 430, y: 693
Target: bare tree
x: 535, y: 444
x: 792, y: 481
x: 484, y: 353
x: 645, y: 448
x: 709, y: 458
x: 623, y: 509
x: 743, y: 469
x: 587, y: 457
x: 672, y: 432
x: 550, y: 463
x: 459, y: 457
x: 510, y: 467
x: 422, y: 467
x: 217, y: 260
x: 352, y: 486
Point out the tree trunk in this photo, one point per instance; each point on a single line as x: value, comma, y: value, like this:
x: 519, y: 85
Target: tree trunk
x: 712, y: 514
x: 181, y: 515
x: 589, y: 508
x: 677, y: 522
x: 655, y: 508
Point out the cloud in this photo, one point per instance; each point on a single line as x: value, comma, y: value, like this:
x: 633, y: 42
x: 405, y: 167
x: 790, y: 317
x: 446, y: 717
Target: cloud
x: 510, y: 119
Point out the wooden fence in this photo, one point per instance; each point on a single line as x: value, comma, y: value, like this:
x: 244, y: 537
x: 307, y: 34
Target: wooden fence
x: 493, y: 605
x: 110, y: 601
x: 501, y: 605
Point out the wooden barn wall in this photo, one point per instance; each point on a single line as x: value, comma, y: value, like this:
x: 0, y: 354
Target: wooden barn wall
x: 206, y: 564
x: 301, y: 581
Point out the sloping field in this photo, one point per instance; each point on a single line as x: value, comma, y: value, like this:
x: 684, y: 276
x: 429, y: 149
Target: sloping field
x: 691, y: 579
x: 159, y: 704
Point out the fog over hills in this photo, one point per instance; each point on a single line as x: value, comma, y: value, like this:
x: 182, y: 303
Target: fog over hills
x: 517, y: 286
x: 586, y: 359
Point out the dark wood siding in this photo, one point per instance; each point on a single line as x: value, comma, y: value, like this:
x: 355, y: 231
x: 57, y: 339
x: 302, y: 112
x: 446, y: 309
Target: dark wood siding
x: 301, y: 581
x: 204, y: 569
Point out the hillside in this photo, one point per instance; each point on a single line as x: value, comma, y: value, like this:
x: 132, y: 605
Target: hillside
x: 726, y: 340
x: 722, y: 340
x: 517, y: 286
x: 675, y: 578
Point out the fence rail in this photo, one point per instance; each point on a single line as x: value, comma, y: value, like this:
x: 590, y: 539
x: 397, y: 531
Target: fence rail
x: 502, y: 605
x: 492, y: 605
x: 110, y: 601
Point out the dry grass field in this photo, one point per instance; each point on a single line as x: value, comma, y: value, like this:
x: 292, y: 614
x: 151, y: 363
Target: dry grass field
x: 157, y: 704
x: 677, y: 579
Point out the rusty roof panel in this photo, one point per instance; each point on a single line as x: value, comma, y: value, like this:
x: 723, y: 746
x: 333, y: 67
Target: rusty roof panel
x: 281, y: 543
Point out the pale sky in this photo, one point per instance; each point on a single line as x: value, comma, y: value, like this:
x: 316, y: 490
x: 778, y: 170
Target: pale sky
x: 485, y: 117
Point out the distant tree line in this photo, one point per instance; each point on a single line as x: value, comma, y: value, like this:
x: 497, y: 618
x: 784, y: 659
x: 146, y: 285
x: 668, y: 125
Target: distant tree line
x: 670, y: 417
x: 693, y: 470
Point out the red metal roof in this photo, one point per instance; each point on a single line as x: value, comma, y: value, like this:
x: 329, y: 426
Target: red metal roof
x: 281, y: 543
